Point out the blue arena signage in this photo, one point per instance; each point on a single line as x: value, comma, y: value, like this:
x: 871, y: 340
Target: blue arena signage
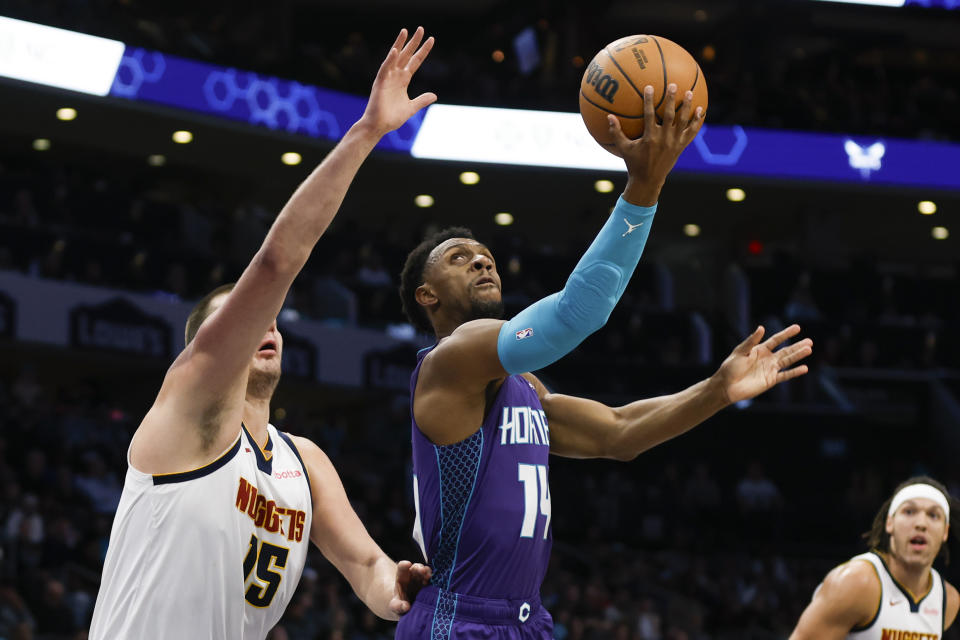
x: 40, y: 54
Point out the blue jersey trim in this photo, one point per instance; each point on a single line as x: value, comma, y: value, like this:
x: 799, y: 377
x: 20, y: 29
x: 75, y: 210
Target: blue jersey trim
x: 466, y: 507
x: 443, y: 615
x: 436, y: 451
x: 456, y: 464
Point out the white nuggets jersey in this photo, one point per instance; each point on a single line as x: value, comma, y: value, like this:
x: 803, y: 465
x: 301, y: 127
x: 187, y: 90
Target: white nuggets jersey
x: 215, y: 553
x: 899, y: 615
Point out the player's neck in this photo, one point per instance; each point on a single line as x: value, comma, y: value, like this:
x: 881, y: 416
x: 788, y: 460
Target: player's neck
x: 443, y: 327
x: 256, y: 415
x: 914, y: 577
x: 445, y: 322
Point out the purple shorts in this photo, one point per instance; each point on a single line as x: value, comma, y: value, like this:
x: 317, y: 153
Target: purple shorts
x: 444, y: 615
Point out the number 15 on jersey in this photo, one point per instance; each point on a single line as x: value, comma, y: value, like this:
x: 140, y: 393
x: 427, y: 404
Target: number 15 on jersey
x: 536, y: 497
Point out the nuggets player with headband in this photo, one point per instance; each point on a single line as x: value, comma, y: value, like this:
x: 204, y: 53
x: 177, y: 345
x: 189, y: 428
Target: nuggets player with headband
x: 218, y: 506
x: 483, y: 427
x: 891, y: 592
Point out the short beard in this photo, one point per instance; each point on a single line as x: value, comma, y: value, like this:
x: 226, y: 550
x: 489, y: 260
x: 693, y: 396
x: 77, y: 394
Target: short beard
x: 262, y: 384
x: 480, y: 309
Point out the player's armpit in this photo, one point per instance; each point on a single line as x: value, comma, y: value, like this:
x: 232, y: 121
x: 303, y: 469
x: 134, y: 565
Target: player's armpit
x: 340, y: 535
x: 848, y: 599
x: 953, y: 604
x: 453, y: 381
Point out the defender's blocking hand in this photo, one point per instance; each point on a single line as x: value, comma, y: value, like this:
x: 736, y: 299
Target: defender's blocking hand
x: 389, y: 106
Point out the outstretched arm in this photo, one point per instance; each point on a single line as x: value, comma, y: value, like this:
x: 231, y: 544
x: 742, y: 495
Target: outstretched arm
x: 581, y: 428
x: 388, y: 588
x: 454, y: 375
x: 213, y: 366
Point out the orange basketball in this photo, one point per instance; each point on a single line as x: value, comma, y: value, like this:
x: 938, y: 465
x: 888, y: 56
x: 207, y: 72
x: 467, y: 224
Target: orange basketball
x: 615, y: 78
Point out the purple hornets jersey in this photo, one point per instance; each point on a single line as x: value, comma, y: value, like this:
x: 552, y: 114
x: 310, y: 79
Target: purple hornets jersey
x: 483, y: 504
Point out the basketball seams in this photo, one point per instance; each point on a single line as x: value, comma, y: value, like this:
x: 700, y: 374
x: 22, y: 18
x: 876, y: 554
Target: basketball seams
x: 624, y: 73
x: 663, y: 64
x: 603, y: 108
x: 593, y: 111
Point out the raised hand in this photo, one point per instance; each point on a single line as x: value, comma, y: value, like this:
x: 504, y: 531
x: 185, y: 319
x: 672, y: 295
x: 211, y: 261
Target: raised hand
x: 651, y: 157
x: 411, y: 577
x: 754, y: 366
x: 389, y: 106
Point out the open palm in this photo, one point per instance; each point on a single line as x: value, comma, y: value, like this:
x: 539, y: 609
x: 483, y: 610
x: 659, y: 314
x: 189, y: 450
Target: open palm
x: 390, y: 106
x: 755, y: 366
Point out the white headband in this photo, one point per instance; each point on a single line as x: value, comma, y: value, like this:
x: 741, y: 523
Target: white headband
x: 919, y: 491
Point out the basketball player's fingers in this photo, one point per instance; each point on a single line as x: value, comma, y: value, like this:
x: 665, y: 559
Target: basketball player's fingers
x: 794, y: 353
x: 777, y: 339
x: 423, y: 100
x: 694, y: 127
x: 411, y: 46
x: 686, y: 110
x: 616, y: 131
x: 417, y: 59
x: 399, y: 606
x: 752, y: 340
x: 790, y: 374
x: 805, y: 345
x: 388, y: 62
x: 670, y: 106
x: 649, y: 117
x: 401, y: 38
x: 420, y: 572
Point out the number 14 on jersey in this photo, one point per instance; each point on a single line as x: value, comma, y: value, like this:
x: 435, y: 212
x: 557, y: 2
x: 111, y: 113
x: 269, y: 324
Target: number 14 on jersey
x: 536, y: 497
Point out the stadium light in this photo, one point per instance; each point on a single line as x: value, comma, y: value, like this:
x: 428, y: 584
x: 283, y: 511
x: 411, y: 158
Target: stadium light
x: 423, y: 201
x: 503, y: 219
x: 691, y: 230
x: 66, y: 114
x: 41, y: 144
x: 291, y: 158
x: 736, y: 195
x: 182, y: 137
x: 927, y: 207
x: 469, y: 177
x: 940, y: 233
x: 603, y: 186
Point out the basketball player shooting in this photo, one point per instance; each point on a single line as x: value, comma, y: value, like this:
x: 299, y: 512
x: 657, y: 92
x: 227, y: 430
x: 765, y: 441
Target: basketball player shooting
x: 892, y: 592
x: 483, y: 426
x: 218, y: 506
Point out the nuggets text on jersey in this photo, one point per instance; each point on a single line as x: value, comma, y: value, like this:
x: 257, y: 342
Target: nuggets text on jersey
x: 266, y: 514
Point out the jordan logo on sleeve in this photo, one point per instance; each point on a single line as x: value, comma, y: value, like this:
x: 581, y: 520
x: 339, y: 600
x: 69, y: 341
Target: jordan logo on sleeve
x: 630, y: 228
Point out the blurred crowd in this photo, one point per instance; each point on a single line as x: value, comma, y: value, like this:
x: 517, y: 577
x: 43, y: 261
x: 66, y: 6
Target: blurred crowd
x: 100, y: 227
x: 788, y: 64
x: 721, y: 535
x: 681, y: 544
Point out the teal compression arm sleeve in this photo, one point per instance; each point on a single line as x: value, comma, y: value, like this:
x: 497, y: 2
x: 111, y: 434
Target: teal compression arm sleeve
x: 552, y: 327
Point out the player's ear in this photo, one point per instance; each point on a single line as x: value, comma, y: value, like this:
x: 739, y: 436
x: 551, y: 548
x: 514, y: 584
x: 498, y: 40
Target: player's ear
x: 425, y: 295
x: 889, y: 526
x: 946, y: 532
